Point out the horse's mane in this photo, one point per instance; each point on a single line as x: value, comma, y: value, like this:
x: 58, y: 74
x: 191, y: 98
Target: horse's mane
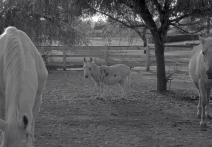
x: 13, y: 61
x: 13, y: 51
x: 10, y: 30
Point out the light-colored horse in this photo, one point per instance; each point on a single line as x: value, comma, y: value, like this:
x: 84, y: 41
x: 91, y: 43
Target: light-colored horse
x: 200, y: 70
x: 107, y: 75
x: 22, y: 79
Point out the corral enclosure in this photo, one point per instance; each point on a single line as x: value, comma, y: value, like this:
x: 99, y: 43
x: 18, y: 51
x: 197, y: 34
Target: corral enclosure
x: 133, y: 56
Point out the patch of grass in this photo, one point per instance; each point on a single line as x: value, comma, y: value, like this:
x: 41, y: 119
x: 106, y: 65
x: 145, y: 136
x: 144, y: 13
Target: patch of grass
x: 179, y: 94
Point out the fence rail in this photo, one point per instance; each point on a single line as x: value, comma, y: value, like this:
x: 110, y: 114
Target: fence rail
x: 67, y: 57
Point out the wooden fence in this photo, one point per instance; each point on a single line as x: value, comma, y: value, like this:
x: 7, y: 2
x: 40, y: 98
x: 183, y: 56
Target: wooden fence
x: 68, y: 57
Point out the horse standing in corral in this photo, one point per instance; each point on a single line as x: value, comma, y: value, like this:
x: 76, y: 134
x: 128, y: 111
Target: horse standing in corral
x: 200, y: 70
x: 107, y: 75
x: 22, y: 79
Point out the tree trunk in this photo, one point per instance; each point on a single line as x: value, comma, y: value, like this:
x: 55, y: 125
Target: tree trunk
x: 148, y: 60
x: 145, y: 45
x: 160, y: 62
x: 143, y: 36
x: 208, y: 26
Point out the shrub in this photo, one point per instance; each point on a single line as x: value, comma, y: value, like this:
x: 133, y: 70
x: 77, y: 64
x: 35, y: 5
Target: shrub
x: 184, y: 37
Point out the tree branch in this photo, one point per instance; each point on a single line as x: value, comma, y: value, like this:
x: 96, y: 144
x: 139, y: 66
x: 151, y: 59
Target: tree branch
x: 127, y: 4
x: 146, y: 15
x: 116, y: 19
x: 158, y: 6
x: 195, y: 12
x: 177, y: 19
x: 189, y: 24
x: 122, y: 22
x: 167, y: 5
x: 185, y: 31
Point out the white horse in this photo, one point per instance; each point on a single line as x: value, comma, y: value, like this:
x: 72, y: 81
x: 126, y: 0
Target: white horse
x: 108, y: 75
x: 200, y: 70
x: 22, y: 79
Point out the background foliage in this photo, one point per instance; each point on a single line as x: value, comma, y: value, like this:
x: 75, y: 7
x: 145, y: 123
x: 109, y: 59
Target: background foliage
x: 44, y: 20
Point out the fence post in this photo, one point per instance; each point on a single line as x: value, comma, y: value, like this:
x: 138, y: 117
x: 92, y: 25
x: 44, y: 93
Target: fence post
x: 148, y: 61
x: 64, y: 59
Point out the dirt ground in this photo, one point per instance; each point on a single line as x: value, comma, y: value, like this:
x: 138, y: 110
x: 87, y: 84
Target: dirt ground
x: 71, y: 116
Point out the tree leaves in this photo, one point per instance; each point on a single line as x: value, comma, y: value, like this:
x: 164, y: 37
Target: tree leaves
x: 43, y: 20
x: 197, y: 7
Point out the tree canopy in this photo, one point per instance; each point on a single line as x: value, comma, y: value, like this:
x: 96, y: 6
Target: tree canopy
x: 156, y: 15
x: 43, y: 20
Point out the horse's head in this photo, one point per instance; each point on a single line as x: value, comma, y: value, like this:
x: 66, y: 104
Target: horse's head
x: 17, y: 133
x: 207, y: 54
x: 87, y: 66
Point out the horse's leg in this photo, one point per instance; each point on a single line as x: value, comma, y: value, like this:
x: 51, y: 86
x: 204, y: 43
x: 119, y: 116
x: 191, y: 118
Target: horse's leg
x: 122, y: 85
x: 203, y: 97
x: 128, y: 83
x: 208, y: 98
x: 199, y: 102
x: 199, y: 106
x: 101, y: 91
x: 2, y: 116
x: 97, y: 89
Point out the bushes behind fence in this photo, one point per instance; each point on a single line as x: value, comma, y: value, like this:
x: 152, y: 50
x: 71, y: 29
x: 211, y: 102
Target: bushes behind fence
x: 179, y: 38
x: 184, y: 37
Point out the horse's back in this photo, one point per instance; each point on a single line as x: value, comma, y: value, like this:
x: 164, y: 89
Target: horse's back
x: 120, y: 68
x: 115, y: 73
x: 29, y: 47
x: 31, y: 63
